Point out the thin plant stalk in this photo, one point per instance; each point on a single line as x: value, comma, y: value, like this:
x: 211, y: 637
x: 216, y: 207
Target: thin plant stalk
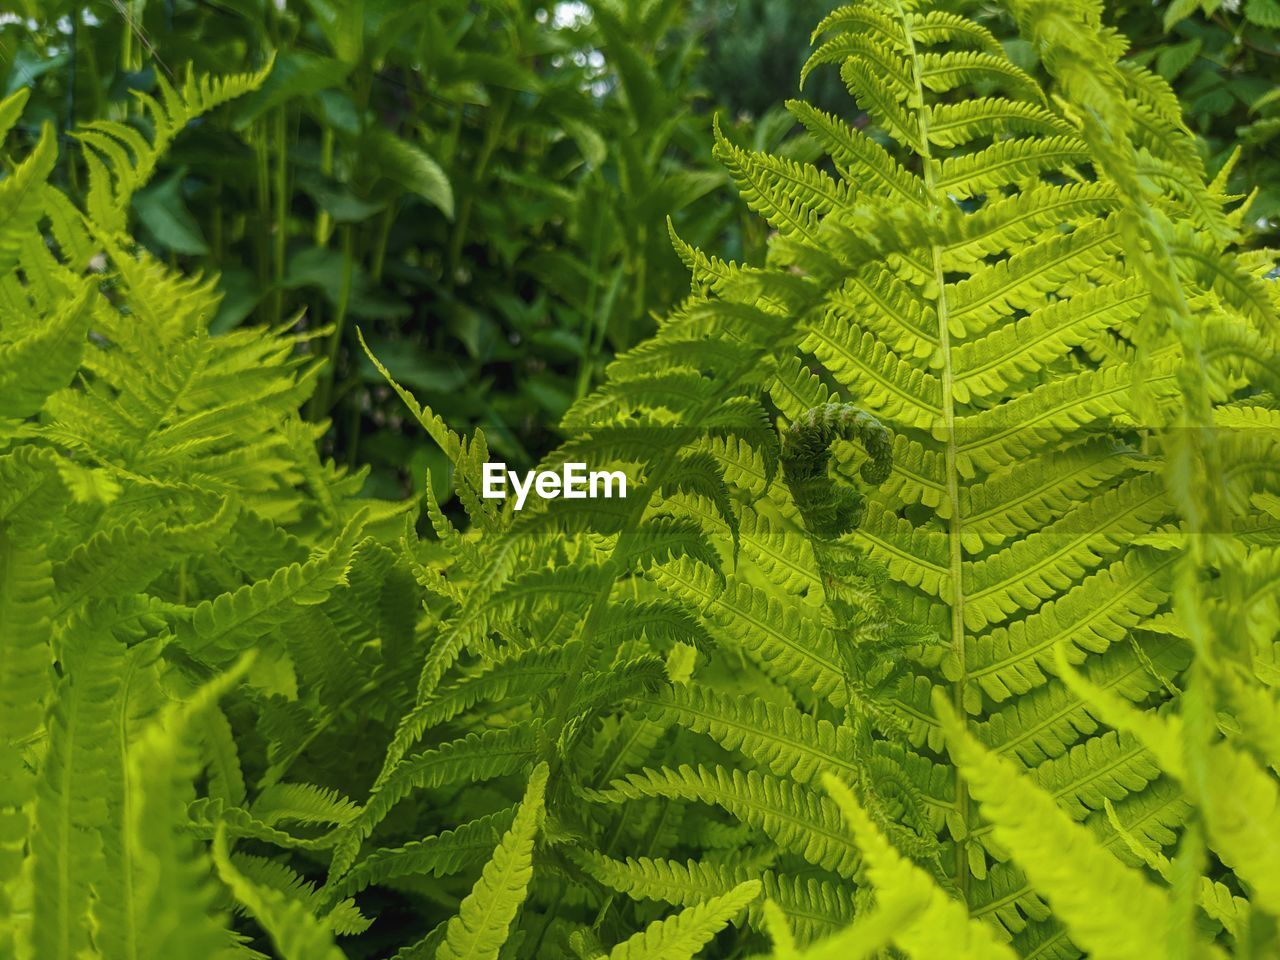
x: 279, y: 233
x: 324, y: 389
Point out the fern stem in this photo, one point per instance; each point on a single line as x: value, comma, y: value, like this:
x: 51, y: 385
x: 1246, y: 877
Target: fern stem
x: 383, y: 235
x: 324, y: 223
x: 589, y: 320
x: 279, y: 219
x: 264, y: 202
x: 493, y: 135
x: 324, y: 390
x: 955, y: 524
x: 216, y: 230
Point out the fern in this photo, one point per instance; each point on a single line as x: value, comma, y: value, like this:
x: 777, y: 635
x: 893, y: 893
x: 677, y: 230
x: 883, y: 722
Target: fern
x: 683, y: 934
x: 294, y: 930
x: 480, y: 928
x: 939, y: 616
x: 154, y: 523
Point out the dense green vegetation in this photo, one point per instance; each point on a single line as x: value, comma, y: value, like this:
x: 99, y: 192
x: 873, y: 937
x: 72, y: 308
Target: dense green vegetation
x: 484, y: 187
x: 940, y: 617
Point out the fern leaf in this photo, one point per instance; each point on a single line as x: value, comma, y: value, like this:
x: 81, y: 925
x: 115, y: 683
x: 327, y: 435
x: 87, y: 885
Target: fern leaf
x: 131, y: 158
x: 1049, y: 719
x: 995, y: 438
x: 1024, y: 279
x: 1045, y: 563
x: 860, y: 160
x: 69, y: 811
x: 1090, y: 617
x: 21, y: 193
x: 1008, y: 162
x: 930, y: 27
x: 1007, y: 354
x: 1239, y: 797
x: 939, y: 925
x: 882, y: 102
x: 789, y: 743
x: 294, y: 930
x: 811, y: 906
x: 26, y: 680
x: 791, y: 196
x: 449, y: 852
x: 786, y: 644
x: 682, y: 936
x: 480, y: 928
x: 34, y: 366
x: 221, y: 626
x: 796, y: 819
x: 894, y: 389
x: 955, y: 124
x: 174, y: 913
x: 1028, y: 496
x: 1055, y: 852
x: 943, y: 72
x: 493, y: 753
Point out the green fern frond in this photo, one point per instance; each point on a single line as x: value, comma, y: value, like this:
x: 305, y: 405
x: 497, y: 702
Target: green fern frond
x: 812, y: 906
x: 794, y: 817
x: 1055, y: 852
x: 171, y: 913
x: 475, y: 757
x: 294, y: 930
x: 780, y: 738
x: 1089, y: 617
x: 939, y: 925
x: 449, y: 852
x: 121, y: 160
x: 484, y: 918
x: 21, y: 195
x: 681, y: 936
x: 220, y: 627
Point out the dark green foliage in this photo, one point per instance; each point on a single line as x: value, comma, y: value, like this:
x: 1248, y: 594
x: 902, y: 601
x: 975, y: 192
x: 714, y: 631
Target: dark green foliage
x: 939, y: 619
x: 754, y: 50
x: 1224, y: 61
x: 484, y: 187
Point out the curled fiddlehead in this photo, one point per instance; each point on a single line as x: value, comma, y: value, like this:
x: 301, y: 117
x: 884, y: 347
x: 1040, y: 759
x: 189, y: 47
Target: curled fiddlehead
x: 870, y: 636
x: 830, y: 510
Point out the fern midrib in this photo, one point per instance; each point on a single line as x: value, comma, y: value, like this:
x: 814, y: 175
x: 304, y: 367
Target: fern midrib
x: 66, y: 822
x: 955, y: 523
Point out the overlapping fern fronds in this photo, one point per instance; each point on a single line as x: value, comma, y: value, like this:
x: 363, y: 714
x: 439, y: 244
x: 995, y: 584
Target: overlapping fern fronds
x: 162, y: 513
x: 1008, y: 280
x: 942, y: 600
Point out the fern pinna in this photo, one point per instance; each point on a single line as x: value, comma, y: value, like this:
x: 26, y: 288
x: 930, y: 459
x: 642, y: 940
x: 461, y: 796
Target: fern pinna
x: 939, y: 619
